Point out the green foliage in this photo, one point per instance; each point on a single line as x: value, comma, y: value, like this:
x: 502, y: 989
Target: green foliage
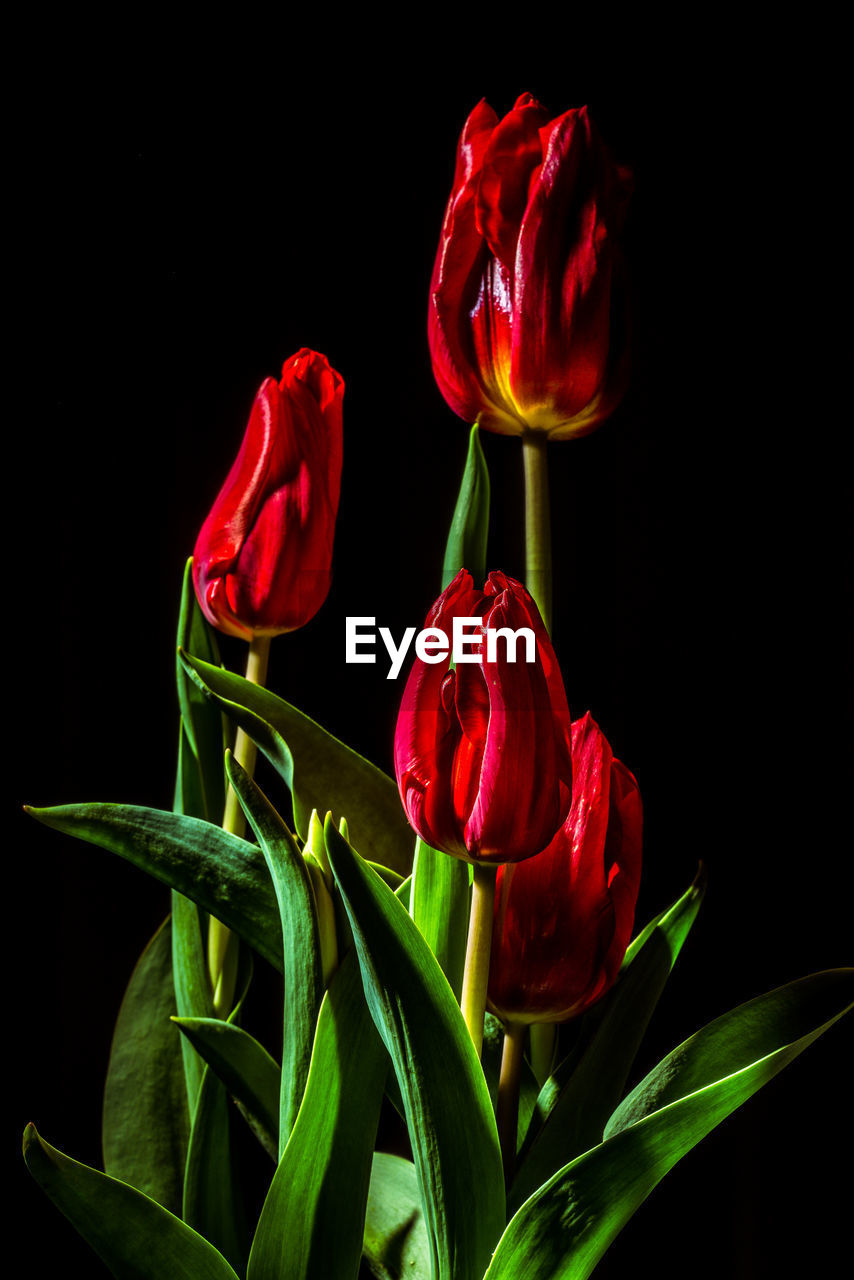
x: 303, y: 969
x: 222, y: 873
x: 448, y: 1112
x: 312, y: 1222
x: 576, y: 1101
x: 565, y: 1228
x: 146, y: 1122
x: 135, y: 1236
x: 320, y: 772
x: 466, y: 545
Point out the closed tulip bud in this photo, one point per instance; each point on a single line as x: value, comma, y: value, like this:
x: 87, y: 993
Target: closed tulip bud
x: 563, y: 920
x: 526, y: 321
x: 263, y: 559
x: 482, y: 752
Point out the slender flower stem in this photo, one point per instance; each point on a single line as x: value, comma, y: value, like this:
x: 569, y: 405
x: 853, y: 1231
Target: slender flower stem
x: 508, y: 1094
x: 543, y: 1037
x: 538, y: 539
x: 538, y: 569
x: 476, y: 975
x: 222, y: 943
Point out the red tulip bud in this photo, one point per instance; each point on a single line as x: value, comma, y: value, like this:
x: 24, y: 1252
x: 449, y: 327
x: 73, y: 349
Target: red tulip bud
x: 263, y: 559
x: 526, y: 315
x: 563, y: 920
x: 482, y: 752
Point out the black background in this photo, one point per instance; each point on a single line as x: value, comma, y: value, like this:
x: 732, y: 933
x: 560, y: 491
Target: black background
x: 194, y: 207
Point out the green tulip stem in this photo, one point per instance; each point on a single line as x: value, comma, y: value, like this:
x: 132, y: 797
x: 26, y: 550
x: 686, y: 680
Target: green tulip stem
x: 538, y: 539
x: 507, y: 1111
x: 478, y: 947
x: 222, y: 943
x: 543, y: 1040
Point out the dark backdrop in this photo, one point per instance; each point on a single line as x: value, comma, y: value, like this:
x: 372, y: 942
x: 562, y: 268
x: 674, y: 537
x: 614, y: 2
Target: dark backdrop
x: 190, y: 217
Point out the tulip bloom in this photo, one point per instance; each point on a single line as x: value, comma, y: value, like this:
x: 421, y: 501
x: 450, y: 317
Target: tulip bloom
x: 263, y: 559
x: 526, y: 316
x: 482, y: 752
x: 563, y: 920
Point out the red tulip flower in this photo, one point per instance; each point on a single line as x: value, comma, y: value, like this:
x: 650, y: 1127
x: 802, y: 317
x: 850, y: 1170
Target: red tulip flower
x: 563, y: 920
x: 263, y: 559
x: 526, y: 314
x: 482, y: 752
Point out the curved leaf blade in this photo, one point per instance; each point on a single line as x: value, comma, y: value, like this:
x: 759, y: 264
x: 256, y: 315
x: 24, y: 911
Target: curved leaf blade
x: 222, y: 873
x: 575, y: 1102
x: 249, y: 1073
x: 448, y: 1112
x: 320, y: 771
x: 466, y: 545
x: 312, y: 1222
x: 303, y: 968
x: 146, y: 1122
x: 396, y: 1245
x: 202, y: 722
x: 439, y: 905
x: 565, y: 1228
x: 212, y: 1202
x: 135, y: 1236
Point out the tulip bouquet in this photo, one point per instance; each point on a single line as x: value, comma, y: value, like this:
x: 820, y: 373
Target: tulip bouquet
x: 464, y: 988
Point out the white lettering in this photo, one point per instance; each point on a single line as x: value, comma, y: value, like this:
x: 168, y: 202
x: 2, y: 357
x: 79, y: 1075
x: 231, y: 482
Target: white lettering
x: 396, y: 655
x: 431, y: 644
x: 511, y: 637
x: 353, y: 639
x: 461, y: 639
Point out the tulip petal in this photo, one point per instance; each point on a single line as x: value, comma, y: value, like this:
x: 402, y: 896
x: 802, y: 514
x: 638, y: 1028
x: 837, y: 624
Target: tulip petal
x: 564, y: 917
x: 513, y: 153
x: 262, y: 563
x: 457, y: 280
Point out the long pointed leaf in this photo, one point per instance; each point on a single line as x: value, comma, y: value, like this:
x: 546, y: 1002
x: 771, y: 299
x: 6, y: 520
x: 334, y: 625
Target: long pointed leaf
x: 137, y: 1239
x: 439, y: 905
x: 396, y: 1245
x: 466, y: 545
x: 320, y: 772
x: 193, y: 996
x: 222, y: 873
x: 212, y: 1202
x: 146, y: 1121
x: 312, y: 1222
x: 448, y: 1112
x: 575, y: 1103
x: 203, y: 722
x: 246, y: 1069
x: 563, y: 1230
x: 303, y: 968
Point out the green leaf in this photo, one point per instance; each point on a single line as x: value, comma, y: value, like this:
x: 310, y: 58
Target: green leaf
x: 396, y: 1246
x: 190, y: 976
x: 213, y: 1203
x: 146, y: 1121
x: 448, y: 1112
x: 563, y: 1230
x: 576, y: 1101
x: 191, y: 983
x: 312, y: 1221
x: 466, y: 546
x: 202, y: 721
x: 303, y: 968
x: 137, y: 1239
x: 222, y: 873
x: 246, y: 1069
x: 320, y: 772
x: 439, y: 905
